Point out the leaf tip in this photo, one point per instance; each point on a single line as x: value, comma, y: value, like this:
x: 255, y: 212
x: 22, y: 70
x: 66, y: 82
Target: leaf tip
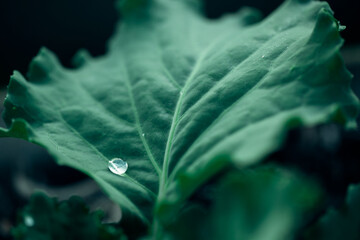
x: 16, y: 79
x: 44, y: 63
x: 19, y: 129
x: 82, y: 57
x: 126, y: 7
x: 249, y: 15
x: 301, y: 1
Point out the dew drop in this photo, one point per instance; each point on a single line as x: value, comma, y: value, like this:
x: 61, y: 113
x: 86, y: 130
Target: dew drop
x: 118, y: 166
x: 143, y: 134
x: 29, y: 221
x: 262, y: 56
x: 181, y: 92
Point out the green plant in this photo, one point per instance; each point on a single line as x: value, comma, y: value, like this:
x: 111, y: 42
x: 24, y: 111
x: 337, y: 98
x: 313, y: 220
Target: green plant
x: 183, y: 100
x: 46, y: 218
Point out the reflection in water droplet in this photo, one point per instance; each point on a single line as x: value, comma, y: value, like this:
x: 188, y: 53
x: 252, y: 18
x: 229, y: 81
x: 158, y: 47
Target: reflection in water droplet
x: 29, y: 221
x: 143, y: 134
x: 118, y: 166
x: 262, y: 56
x: 181, y: 92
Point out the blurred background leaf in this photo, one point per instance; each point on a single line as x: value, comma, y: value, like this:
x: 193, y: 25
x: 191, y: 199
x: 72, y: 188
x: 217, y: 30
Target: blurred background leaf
x: 46, y: 218
x: 254, y: 204
x: 339, y: 223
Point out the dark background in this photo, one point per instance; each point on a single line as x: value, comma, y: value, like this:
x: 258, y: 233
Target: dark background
x: 64, y: 26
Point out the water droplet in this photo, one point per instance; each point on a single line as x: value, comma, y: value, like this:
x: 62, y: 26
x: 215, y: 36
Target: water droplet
x: 143, y: 134
x: 262, y: 56
x: 341, y: 27
x: 29, y: 221
x: 118, y: 166
x: 181, y: 92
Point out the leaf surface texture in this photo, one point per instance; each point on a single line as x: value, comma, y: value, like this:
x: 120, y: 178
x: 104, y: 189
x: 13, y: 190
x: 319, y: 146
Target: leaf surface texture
x: 179, y: 97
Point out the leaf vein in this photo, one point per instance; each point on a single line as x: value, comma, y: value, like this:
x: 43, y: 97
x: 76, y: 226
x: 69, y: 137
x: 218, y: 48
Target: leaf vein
x: 137, y: 124
x: 102, y: 155
x: 176, y: 116
x: 102, y: 106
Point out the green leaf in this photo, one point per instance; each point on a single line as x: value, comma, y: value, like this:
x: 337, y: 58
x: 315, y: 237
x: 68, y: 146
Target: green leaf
x: 179, y: 97
x: 46, y: 218
x: 262, y: 203
x: 265, y: 203
x: 343, y: 223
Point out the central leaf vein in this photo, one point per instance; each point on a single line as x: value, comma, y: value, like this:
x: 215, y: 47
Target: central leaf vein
x: 138, y: 125
x: 177, y: 112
